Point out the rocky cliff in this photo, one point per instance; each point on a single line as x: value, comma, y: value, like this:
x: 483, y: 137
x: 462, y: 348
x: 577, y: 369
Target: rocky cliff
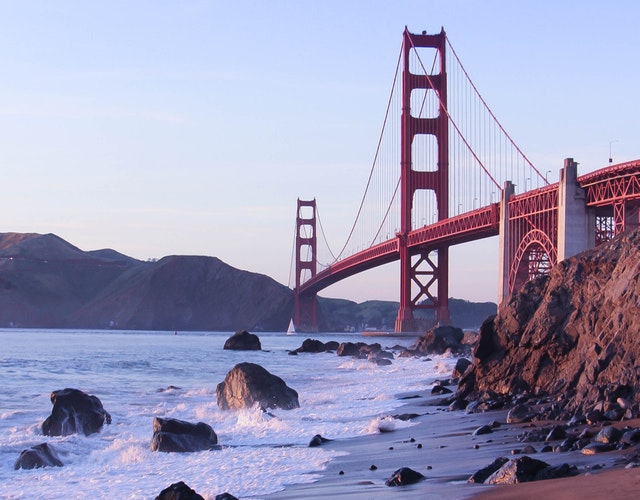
x: 573, y: 335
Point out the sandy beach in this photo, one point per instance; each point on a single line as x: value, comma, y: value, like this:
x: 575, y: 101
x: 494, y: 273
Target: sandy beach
x: 442, y: 447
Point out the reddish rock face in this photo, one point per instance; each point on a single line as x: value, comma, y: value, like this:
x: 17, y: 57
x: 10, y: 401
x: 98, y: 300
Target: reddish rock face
x: 574, y: 334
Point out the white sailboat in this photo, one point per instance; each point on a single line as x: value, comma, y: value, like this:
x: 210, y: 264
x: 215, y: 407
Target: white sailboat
x: 292, y: 329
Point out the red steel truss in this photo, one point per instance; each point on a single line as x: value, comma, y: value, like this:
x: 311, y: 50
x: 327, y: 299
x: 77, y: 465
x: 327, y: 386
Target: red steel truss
x: 532, y: 235
x: 618, y: 189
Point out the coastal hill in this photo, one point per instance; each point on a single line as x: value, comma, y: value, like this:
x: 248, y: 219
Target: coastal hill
x: 46, y: 282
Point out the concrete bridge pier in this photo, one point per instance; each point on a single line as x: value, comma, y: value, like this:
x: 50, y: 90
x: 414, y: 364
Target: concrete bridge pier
x: 503, y: 250
x: 576, y: 222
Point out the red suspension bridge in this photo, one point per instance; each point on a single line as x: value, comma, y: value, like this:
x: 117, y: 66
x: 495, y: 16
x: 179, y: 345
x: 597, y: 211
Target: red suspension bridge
x: 445, y: 172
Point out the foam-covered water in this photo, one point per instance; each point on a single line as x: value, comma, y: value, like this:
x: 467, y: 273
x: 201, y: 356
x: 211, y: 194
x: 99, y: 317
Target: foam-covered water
x: 141, y: 375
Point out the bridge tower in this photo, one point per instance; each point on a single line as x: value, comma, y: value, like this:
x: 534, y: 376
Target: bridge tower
x: 429, y: 268
x: 306, y: 305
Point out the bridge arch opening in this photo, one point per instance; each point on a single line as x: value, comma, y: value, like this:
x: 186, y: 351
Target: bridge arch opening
x: 535, y: 256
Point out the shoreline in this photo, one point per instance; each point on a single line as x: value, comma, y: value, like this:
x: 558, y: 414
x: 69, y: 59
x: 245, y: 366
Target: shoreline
x: 449, y: 454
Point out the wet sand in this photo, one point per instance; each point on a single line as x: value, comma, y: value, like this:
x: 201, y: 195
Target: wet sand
x: 449, y: 455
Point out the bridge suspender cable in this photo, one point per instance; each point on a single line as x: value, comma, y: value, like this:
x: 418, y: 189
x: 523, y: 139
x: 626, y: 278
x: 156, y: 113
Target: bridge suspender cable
x: 375, y: 159
x: 491, y: 114
x: 451, y: 120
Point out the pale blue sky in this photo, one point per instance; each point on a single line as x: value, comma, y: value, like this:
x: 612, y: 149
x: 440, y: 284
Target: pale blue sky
x: 191, y: 127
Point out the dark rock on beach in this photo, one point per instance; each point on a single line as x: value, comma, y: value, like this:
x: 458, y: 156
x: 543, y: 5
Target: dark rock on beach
x: 172, y: 435
x: 350, y: 349
x: 318, y: 440
x: 403, y: 477
x: 74, y: 412
x: 438, y: 340
x: 41, y: 455
x: 178, y: 491
x: 224, y: 496
x: 520, y: 470
x: 481, y: 475
x: 462, y: 365
x: 243, y: 341
x: 312, y: 346
x: 248, y: 383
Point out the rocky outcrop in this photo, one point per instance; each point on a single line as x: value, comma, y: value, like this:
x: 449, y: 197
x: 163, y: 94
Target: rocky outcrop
x: 243, y: 341
x: 572, y: 334
x: 74, y: 412
x: 172, y: 435
x: 41, y: 455
x: 248, y: 383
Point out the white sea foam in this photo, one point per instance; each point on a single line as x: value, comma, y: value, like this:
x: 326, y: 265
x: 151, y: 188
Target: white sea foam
x: 139, y: 376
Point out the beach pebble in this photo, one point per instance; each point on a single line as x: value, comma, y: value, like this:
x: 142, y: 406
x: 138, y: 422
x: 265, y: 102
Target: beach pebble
x: 373, y: 467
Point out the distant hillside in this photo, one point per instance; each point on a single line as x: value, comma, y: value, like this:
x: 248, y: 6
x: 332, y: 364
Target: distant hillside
x: 46, y: 282
x: 381, y: 315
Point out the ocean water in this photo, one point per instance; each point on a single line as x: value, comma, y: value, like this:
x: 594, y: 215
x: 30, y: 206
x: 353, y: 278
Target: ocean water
x: 141, y: 375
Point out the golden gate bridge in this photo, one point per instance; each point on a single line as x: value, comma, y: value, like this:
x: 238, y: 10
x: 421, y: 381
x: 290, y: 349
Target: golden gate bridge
x: 446, y: 172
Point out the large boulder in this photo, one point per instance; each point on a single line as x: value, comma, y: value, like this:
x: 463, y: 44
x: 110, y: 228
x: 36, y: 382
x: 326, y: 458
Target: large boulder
x: 243, y: 341
x: 440, y: 339
x: 74, y: 412
x: 41, y: 455
x: 172, y: 435
x: 248, y: 383
x: 571, y: 334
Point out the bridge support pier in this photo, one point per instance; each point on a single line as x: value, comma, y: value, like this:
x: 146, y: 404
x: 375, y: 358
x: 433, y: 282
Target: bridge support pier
x: 576, y: 223
x: 504, y: 261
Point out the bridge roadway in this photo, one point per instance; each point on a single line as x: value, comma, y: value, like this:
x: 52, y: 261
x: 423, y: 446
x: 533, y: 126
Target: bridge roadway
x: 603, y: 188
